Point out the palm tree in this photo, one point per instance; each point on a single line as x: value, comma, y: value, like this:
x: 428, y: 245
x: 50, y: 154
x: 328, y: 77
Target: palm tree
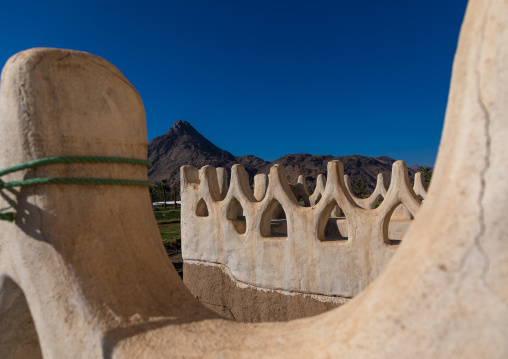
x: 162, y: 185
x: 176, y: 190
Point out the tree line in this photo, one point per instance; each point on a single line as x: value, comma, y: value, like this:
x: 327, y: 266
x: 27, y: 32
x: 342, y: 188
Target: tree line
x: 163, y: 192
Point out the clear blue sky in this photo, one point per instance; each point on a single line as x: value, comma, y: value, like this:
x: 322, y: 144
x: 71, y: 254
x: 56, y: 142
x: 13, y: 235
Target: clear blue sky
x: 269, y: 78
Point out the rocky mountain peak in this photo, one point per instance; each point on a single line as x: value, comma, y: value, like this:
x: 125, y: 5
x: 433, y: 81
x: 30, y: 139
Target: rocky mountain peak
x: 183, y: 145
x: 182, y: 128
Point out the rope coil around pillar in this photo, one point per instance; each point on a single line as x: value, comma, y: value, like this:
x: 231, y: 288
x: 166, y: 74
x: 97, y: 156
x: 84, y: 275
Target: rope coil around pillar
x: 11, y: 216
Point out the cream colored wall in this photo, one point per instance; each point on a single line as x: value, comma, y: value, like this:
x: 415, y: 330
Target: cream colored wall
x: 305, y: 261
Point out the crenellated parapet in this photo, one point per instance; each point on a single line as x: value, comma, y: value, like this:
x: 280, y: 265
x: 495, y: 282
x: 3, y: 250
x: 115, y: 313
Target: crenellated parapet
x: 278, y: 237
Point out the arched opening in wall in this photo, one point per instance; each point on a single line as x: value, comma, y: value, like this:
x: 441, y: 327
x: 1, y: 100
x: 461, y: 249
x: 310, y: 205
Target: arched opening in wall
x: 235, y: 214
x: 338, y: 212
x: 273, y: 221
x: 279, y: 212
x: 19, y: 338
x: 378, y: 201
x: 333, y: 224
x: 397, y: 224
x: 202, y: 208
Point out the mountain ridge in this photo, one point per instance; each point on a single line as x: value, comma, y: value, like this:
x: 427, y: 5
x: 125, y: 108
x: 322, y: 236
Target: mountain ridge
x: 184, y: 145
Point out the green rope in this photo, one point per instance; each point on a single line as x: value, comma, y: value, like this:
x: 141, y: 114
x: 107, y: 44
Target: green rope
x: 10, y: 216
x: 73, y: 159
x: 99, y: 181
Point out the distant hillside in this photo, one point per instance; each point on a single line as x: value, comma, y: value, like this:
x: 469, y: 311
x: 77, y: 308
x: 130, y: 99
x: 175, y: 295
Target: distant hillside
x: 357, y: 167
x: 183, y: 145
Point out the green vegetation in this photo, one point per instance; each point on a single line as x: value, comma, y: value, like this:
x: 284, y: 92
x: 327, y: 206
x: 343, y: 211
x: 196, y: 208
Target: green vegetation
x: 163, y: 216
x: 169, y: 230
x: 360, y: 189
x: 427, y: 175
x: 168, y: 221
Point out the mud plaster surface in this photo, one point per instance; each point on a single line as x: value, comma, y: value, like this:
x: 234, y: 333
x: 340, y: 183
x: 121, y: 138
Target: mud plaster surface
x: 214, y: 287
